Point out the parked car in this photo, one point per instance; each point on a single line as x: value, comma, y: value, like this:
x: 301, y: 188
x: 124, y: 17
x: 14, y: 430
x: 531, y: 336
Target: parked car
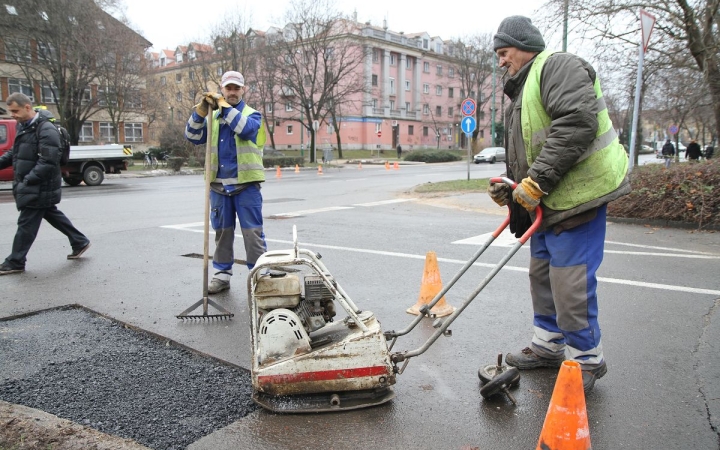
x: 490, y: 155
x: 646, y: 150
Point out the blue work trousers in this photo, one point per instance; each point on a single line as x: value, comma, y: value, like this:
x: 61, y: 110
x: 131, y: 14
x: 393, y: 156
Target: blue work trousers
x: 247, y: 207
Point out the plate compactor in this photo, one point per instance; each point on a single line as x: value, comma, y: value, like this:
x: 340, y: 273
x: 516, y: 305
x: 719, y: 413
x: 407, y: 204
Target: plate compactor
x: 305, y: 361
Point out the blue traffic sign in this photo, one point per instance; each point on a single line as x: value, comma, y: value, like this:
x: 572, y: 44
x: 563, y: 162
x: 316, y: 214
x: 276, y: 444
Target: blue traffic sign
x: 468, y: 107
x: 673, y: 129
x: 468, y: 124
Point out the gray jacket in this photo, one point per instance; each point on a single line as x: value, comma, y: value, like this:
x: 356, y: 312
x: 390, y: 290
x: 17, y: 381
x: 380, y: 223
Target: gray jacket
x: 566, y: 87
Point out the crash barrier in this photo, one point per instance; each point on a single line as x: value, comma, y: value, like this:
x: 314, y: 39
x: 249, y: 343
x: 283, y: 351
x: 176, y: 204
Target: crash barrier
x: 566, y: 422
x: 430, y: 287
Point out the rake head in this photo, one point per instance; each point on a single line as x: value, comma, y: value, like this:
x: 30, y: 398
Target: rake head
x: 221, y: 315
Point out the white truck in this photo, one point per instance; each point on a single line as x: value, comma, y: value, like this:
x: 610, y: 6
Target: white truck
x: 90, y: 163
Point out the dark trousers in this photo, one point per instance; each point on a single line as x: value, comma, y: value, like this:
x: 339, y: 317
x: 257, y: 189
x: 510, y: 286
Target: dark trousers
x: 28, y: 225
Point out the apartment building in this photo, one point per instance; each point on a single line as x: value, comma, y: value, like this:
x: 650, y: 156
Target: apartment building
x: 29, y: 52
x: 412, y: 94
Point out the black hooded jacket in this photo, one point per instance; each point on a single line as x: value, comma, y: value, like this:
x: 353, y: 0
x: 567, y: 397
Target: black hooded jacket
x: 35, y: 158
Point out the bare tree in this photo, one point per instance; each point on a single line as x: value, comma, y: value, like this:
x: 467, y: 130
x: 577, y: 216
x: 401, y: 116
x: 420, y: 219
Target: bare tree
x: 685, y: 32
x: 475, y: 67
x: 62, y: 46
x: 319, y: 58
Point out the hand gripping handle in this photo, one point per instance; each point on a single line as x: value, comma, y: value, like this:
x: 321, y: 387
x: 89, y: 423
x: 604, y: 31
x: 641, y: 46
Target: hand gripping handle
x: 538, y: 211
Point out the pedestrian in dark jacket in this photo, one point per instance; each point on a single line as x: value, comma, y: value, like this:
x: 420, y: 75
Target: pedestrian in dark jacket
x: 693, y: 152
x: 564, y: 154
x: 35, y: 158
x: 709, y: 150
x: 668, y: 151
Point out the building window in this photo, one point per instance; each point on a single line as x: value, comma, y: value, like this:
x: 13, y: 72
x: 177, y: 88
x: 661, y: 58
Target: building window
x: 87, y: 97
x: 163, y: 81
x: 393, y: 59
x: 438, y: 111
x: 289, y: 129
x: 439, y: 69
x: 191, y: 75
x: 392, y: 105
x: 107, y: 132
x: 376, y: 55
x: 438, y: 90
x: 374, y: 80
x: 133, y: 99
x: 46, y: 51
x: 426, y: 88
x: 481, y: 115
x: 451, y: 92
x: 482, y: 97
x: 178, y: 78
x: 374, y: 103
x: 426, y: 109
x: 407, y: 106
x: 268, y: 107
x: 426, y: 67
x: 411, y: 130
x: 133, y: 132
x: 408, y: 63
x: 178, y: 96
x: 450, y: 111
x: 426, y: 131
x: 48, y: 93
x: 219, y: 71
x: 407, y: 85
x: 17, y: 50
x: 426, y: 46
x: 451, y: 72
x: 392, y: 86
x: 21, y: 85
x: 86, y: 132
x: 482, y: 133
x: 288, y: 107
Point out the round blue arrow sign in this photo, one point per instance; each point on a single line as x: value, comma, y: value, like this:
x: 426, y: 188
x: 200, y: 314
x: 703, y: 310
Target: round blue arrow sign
x: 468, y: 124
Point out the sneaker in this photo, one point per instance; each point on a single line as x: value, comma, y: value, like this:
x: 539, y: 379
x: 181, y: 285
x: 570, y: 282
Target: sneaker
x: 589, y: 376
x: 77, y: 253
x: 528, y: 359
x: 217, y: 285
x: 7, y: 270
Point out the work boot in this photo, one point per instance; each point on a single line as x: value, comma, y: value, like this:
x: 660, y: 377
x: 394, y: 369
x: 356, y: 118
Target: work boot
x: 217, y: 285
x: 528, y: 359
x: 77, y: 252
x: 7, y: 270
x: 589, y: 376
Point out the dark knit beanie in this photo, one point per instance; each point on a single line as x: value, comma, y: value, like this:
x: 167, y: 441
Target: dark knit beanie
x: 518, y: 32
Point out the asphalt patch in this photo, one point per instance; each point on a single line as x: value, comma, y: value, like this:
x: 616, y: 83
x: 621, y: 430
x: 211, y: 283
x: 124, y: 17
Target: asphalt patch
x: 97, y: 372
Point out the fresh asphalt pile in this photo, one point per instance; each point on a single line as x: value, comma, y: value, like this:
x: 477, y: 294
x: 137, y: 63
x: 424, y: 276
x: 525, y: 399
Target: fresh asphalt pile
x: 99, y: 373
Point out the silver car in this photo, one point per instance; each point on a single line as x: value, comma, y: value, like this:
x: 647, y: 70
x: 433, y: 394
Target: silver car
x: 490, y: 155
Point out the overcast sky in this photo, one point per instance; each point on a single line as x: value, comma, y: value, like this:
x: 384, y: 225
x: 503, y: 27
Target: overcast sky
x: 168, y: 23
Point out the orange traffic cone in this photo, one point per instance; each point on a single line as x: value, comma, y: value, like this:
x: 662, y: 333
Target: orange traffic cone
x: 360, y: 165
x: 566, y: 422
x: 320, y: 169
x: 396, y: 166
x: 387, y: 165
x: 431, y: 285
x: 297, y: 168
x: 278, y: 172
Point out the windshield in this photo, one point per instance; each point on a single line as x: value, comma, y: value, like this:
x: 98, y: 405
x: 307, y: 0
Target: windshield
x: 489, y: 151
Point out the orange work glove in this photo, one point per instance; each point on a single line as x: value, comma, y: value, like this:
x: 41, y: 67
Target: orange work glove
x: 528, y: 194
x: 216, y: 100
x: 500, y: 193
x: 202, y: 108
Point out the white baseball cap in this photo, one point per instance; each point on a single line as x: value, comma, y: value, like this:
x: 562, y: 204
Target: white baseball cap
x: 232, y: 77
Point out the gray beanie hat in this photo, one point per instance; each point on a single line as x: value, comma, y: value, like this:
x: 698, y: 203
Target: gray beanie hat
x: 518, y: 32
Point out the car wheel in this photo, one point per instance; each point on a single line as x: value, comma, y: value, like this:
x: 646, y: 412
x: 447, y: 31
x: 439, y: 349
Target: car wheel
x: 492, y: 161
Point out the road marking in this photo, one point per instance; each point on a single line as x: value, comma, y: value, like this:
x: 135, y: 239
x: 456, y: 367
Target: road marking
x: 642, y: 284
x: 386, y: 202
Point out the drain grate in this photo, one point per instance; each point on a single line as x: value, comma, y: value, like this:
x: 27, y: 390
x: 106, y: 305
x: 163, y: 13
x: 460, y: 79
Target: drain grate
x: 97, y: 372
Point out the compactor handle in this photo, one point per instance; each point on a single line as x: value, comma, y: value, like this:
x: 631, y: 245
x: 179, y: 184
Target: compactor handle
x: 538, y: 210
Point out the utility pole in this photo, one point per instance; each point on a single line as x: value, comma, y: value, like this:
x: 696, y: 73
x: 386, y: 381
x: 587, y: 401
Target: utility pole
x: 566, y: 8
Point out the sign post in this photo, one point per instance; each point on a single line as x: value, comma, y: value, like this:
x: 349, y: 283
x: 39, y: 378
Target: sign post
x: 647, y: 22
x: 468, y: 107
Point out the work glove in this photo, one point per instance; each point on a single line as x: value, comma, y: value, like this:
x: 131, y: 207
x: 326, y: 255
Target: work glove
x: 216, y: 100
x: 202, y: 108
x: 500, y: 193
x: 528, y: 194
